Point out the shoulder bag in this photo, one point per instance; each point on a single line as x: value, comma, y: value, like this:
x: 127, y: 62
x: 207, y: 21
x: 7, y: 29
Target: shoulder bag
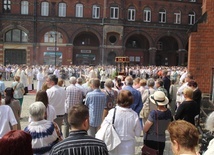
x: 108, y: 134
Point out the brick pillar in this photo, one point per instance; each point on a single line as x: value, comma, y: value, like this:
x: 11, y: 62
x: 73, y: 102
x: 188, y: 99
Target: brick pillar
x: 152, y: 55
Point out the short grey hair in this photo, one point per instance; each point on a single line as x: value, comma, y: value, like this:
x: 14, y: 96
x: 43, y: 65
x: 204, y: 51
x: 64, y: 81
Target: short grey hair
x: 37, y: 111
x: 72, y: 80
x: 109, y: 83
x: 129, y: 80
x: 150, y: 82
x: 210, y: 122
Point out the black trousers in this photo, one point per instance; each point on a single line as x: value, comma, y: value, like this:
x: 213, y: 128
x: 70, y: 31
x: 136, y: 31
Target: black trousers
x: 155, y: 145
x: 26, y: 90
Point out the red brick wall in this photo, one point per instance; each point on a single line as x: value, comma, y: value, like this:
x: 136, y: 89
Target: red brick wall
x: 201, y: 49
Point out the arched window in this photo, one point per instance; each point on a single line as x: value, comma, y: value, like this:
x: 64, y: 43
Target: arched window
x: 79, y: 10
x: 44, y: 9
x: 114, y: 12
x: 162, y: 16
x: 96, y: 11
x: 24, y: 7
x: 191, y: 18
x: 177, y: 17
x: 131, y: 14
x: 147, y: 14
x: 16, y: 35
x: 62, y: 10
x: 52, y: 36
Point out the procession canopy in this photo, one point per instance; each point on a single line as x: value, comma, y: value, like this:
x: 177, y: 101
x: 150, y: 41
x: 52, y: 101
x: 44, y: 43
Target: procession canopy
x: 122, y: 65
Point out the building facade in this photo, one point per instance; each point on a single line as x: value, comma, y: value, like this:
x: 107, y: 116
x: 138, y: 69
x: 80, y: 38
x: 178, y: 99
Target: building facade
x: 201, y: 50
x: 153, y: 32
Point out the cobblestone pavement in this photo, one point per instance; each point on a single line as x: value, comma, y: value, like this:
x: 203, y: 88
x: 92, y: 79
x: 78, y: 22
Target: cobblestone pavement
x: 30, y: 98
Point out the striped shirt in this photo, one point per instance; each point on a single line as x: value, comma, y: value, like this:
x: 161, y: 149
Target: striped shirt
x: 96, y: 102
x: 79, y: 143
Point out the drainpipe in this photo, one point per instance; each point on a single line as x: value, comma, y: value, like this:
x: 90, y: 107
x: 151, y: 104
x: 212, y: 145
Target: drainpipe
x: 35, y: 32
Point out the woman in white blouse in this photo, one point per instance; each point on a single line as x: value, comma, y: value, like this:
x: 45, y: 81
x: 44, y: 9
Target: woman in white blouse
x: 127, y: 124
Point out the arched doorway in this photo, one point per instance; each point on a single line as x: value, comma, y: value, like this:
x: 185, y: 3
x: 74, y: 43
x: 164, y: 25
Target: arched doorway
x: 166, y: 54
x: 111, y: 58
x: 86, y: 49
x: 137, y: 47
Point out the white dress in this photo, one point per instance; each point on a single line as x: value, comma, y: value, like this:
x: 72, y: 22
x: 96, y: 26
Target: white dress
x: 40, y: 79
x: 127, y: 126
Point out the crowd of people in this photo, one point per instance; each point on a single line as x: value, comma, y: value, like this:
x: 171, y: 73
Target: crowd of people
x: 143, y: 101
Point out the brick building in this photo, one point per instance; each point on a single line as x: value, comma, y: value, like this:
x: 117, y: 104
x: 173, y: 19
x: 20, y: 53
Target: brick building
x: 153, y: 32
x: 201, y: 50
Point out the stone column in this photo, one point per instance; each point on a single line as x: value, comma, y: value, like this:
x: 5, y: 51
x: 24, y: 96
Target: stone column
x: 181, y: 57
x: 152, y: 55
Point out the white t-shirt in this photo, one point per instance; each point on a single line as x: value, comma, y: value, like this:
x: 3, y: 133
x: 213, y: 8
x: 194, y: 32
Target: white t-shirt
x: 6, y: 118
x: 51, y: 113
x: 57, y: 96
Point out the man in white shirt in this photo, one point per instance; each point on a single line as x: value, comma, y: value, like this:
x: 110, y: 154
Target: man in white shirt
x: 56, y: 97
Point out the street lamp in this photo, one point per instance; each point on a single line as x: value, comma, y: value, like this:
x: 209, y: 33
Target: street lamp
x: 55, y: 41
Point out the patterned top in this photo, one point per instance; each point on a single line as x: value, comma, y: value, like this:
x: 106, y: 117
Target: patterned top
x: 73, y: 96
x: 96, y: 101
x: 44, y: 136
x: 79, y: 143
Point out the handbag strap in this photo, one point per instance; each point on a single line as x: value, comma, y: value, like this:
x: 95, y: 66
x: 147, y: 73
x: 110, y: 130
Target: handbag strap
x: 57, y: 131
x: 114, y: 116
x: 148, y: 99
x: 157, y: 127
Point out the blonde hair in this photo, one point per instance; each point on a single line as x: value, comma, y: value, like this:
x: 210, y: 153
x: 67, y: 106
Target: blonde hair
x: 188, y: 92
x: 17, y: 78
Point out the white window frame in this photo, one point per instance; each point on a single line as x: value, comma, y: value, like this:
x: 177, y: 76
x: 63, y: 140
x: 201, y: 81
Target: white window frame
x: 62, y: 9
x: 44, y: 9
x: 7, y: 5
x: 79, y: 10
x: 177, y: 17
x: 147, y: 14
x: 131, y: 14
x: 162, y: 16
x: 24, y: 7
x: 95, y: 12
x: 114, y: 12
x: 191, y: 18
